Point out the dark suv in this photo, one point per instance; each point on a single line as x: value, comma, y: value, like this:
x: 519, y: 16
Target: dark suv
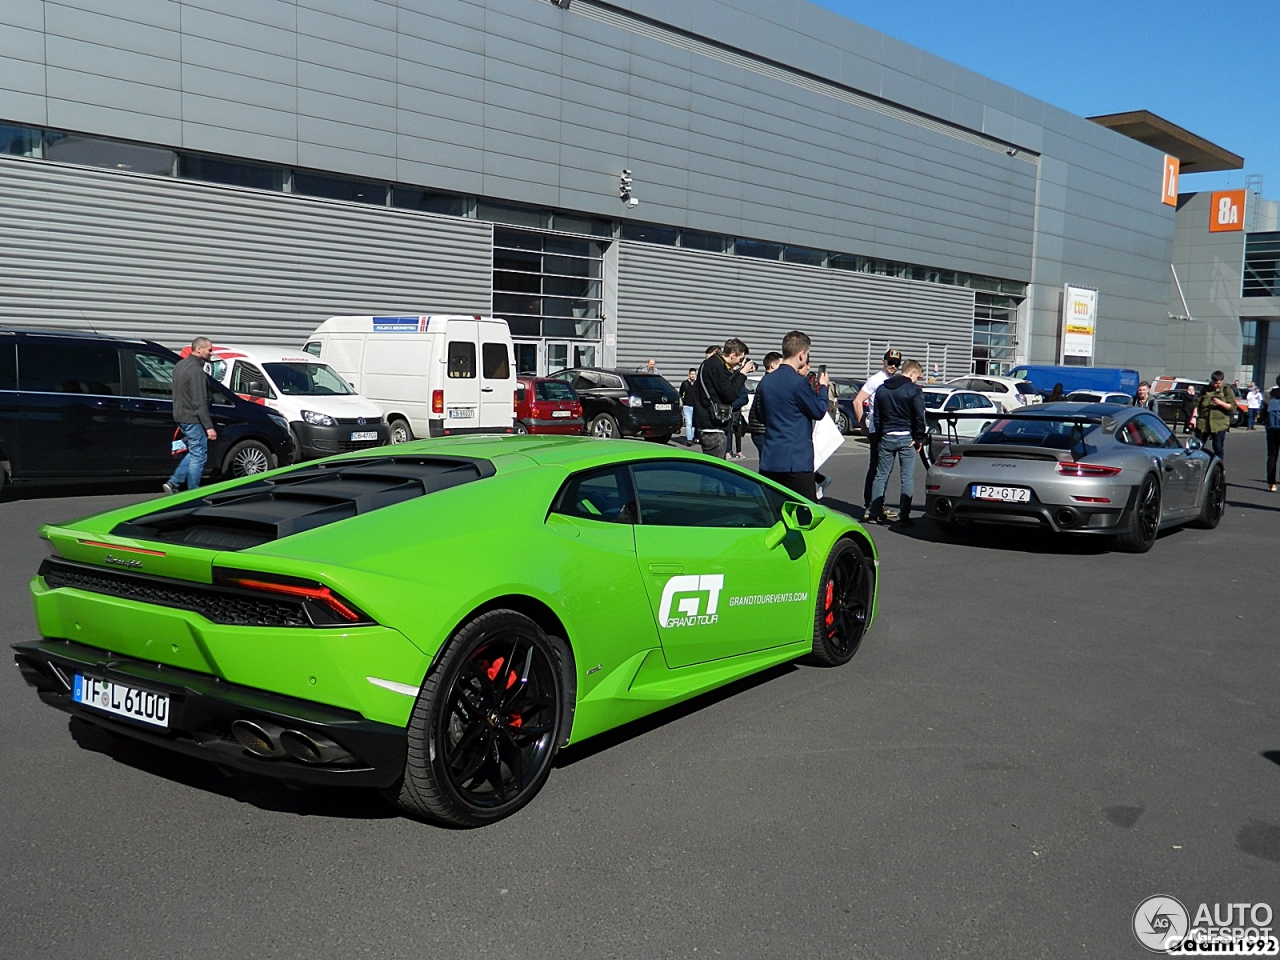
x: 622, y: 403
x: 90, y: 408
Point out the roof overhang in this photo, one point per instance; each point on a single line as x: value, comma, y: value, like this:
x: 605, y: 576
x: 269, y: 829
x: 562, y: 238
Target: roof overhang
x: 1195, y: 154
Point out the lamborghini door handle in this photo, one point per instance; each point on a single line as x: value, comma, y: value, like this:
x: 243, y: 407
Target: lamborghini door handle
x: 665, y: 569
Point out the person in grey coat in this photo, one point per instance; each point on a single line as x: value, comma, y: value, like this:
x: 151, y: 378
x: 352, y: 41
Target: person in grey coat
x: 191, y: 413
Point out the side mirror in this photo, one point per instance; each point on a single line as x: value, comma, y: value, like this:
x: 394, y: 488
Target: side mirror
x: 1192, y: 444
x: 800, y: 516
x: 257, y: 388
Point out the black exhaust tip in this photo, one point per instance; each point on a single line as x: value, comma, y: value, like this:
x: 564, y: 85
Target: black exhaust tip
x: 260, y: 739
x: 1066, y: 518
x: 312, y: 748
x: 942, y: 505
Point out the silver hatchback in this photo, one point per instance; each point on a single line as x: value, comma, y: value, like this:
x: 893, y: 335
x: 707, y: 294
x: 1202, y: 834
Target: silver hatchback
x: 1096, y: 468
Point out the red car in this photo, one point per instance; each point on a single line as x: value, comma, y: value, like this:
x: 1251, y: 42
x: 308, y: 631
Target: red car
x: 546, y: 406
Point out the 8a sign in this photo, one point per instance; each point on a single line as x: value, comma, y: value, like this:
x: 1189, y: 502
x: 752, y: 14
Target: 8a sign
x: 1226, y: 212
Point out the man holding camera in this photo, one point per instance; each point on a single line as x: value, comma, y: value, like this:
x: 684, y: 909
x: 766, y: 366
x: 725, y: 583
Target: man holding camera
x: 720, y: 381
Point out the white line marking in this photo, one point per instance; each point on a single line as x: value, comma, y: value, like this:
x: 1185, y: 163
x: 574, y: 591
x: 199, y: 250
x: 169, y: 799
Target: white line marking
x: 406, y: 689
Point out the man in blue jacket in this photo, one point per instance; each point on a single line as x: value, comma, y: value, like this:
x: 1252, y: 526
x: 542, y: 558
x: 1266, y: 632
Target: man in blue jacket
x: 790, y: 408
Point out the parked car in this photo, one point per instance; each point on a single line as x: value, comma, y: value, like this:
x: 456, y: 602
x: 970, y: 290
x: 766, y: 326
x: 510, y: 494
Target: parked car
x: 1008, y: 393
x: 547, y: 406
x: 624, y: 403
x: 324, y: 412
x: 1169, y: 399
x: 1103, y: 379
x: 844, y: 390
x: 431, y: 376
x: 958, y: 415
x: 1099, y: 396
x: 1097, y: 469
x: 87, y: 408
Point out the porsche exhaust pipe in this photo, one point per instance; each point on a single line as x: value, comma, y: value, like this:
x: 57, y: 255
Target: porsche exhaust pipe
x: 942, y: 505
x: 1066, y: 518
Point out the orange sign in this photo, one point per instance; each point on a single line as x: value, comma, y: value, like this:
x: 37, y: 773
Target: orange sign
x: 1169, y: 193
x: 1227, y: 211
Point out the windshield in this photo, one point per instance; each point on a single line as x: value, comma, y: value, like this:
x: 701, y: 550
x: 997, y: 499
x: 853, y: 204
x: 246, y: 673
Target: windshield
x: 649, y: 383
x: 933, y: 400
x: 307, y: 380
x: 1038, y: 432
x: 553, y: 390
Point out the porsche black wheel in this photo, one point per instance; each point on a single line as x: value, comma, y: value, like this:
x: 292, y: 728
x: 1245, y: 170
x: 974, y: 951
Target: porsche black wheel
x: 1143, y: 524
x: 843, y: 612
x: 486, y: 725
x: 1215, y: 500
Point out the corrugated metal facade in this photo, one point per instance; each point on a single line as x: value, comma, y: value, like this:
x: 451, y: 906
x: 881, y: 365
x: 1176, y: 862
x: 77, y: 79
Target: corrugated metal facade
x: 673, y: 303
x: 168, y: 259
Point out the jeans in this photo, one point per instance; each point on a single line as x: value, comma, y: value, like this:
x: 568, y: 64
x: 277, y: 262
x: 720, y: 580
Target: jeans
x: 900, y: 449
x: 191, y: 467
x: 1215, y: 442
x: 713, y: 443
x: 873, y: 467
x: 1253, y: 415
x: 1273, y: 450
x: 688, y: 423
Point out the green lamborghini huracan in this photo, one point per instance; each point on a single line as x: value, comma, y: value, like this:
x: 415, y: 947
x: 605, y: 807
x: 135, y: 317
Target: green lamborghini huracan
x: 438, y: 618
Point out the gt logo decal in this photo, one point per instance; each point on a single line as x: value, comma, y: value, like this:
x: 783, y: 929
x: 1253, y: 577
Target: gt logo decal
x: 691, y: 589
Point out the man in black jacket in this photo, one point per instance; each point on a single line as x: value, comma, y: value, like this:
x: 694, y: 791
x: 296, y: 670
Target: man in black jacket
x: 720, y: 380
x: 903, y: 431
x: 755, y: 416
x: 191, y: 413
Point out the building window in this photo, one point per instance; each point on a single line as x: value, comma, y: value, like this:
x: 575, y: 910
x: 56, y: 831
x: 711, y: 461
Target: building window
x: 694, y: 240
x: 547, y: 285
x: 339, y: 188
x: 650, y: 233
x: 812, y: 258
x: 995, y: 333
x: 570, y: 223
x: 757, y: 249
x: 19, y: 142
x: 230, y: 172
x: 411, y: 198
x: 514, y: 214
x: 1262, y: 265
x: 1248, y: 343
x: 93, y: 152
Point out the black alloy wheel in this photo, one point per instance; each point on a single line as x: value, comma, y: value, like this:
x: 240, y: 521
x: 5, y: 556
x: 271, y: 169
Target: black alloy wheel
x: 1144, y: 519
x: 1215, y: 500
x: 486, y: 726
x: 845, y: 595
x: 246, y: 458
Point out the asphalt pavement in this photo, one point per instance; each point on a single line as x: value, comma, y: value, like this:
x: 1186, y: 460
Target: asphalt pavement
x: 1036, y: 735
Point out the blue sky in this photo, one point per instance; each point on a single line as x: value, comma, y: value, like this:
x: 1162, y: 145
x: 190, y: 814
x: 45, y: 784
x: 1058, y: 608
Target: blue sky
x: 1212, y: 66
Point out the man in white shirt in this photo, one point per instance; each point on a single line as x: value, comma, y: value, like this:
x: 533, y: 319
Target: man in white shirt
x: 864, y: 407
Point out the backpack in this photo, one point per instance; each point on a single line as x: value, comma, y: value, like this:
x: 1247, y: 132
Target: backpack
x: 1273, y: 412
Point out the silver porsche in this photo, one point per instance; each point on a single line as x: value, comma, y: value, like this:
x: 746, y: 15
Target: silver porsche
x: 1080, y: 468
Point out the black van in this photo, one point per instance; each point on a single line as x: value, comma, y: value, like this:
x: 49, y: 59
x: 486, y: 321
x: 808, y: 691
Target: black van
x: 92, y: 408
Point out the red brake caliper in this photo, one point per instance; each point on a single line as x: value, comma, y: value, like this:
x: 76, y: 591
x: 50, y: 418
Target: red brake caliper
x: 831, y: 590
x: 494, y: 668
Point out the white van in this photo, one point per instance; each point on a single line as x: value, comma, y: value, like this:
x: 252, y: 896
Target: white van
x: 326, y: 415
x: 432, y: 376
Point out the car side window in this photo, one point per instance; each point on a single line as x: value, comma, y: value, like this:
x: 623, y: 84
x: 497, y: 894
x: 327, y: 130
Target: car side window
x: 69, y: 368
x: 461, y: 360
x: 604, y: 495
x: 246, y: 373
x: 8, y: 365
x: 312, y: 348
x: 155, y: 375
x: 586, y: 380
x: 678, y: 494
x: 979, y: 402
x: 497, y: 366
x: 610, y: 382
x: 995, y: 386
x: 955, y: 402
x: 1155, y: 433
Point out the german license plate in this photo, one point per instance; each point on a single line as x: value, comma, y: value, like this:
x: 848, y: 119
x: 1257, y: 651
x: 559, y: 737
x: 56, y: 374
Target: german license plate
x: 1003, y: 494
x: 662, y: 406
x: 111, y: 697
x: 365, y: 435
x: 562, y: 413
x: 462, y: 413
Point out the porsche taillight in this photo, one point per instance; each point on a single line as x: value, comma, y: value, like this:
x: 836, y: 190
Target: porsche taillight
x: 947, y: 460
x: 1070, y: 468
